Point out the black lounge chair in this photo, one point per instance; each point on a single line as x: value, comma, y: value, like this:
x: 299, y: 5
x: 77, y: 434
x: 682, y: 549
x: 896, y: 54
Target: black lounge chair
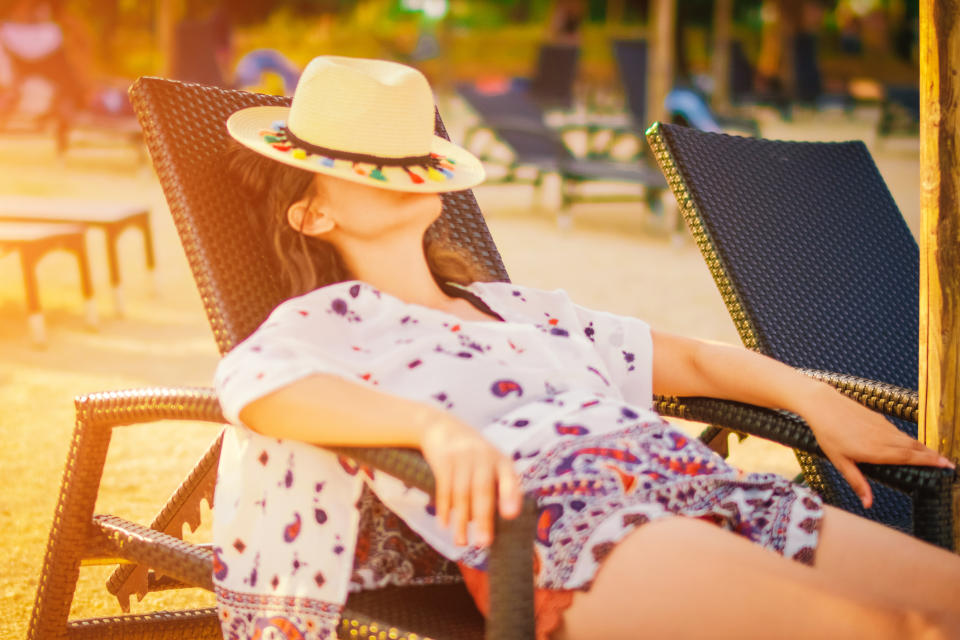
x: 552, y: 83
x: 742, y: 76
x: 632, y: 60
x: 899, y: 111
x: 819, y: 270
x: 513, y: 135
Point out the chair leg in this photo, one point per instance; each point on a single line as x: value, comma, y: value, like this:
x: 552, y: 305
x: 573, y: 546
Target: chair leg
x: 932, y: 515
x: 143, y: 222
x: 78, y: 246
x: 564, y: 216
x: 113, y: 232
x: 35, y: 322
x: 68, y: 534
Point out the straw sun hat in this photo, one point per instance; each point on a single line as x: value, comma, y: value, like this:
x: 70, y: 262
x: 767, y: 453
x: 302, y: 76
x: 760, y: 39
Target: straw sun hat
x: 367, y: 121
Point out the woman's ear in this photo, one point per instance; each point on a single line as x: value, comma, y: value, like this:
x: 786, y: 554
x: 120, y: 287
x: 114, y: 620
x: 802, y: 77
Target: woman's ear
x: 308, y: 219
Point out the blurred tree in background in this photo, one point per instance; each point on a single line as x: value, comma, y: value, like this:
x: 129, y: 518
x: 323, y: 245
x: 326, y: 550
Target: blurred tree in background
x: 477, y: 37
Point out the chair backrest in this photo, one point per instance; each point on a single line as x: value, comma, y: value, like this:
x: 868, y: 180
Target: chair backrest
x: 813, y: 257
x: 238, y: 278
x: 556, y: 71
x: 516, y: 119
x: 741, y: 72
x: 814, y: 261
x: 631, y: 57
x: 806, y: 68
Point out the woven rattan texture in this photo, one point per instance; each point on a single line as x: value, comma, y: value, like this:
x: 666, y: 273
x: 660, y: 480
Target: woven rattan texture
x: 813, y: 259
x: 181, y: 508
x: 814, y: 244
x: 435, y: 612
x: 186, y: 562
x: 200, y: 624
x: 886, y: 398
x: 237, y: 276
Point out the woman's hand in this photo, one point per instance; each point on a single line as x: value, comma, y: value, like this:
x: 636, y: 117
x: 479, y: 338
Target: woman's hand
x: 848, y: 433
x: 471, y: 475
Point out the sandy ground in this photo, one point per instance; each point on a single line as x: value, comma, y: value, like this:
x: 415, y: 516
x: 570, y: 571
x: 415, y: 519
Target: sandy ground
x: 613, y: 257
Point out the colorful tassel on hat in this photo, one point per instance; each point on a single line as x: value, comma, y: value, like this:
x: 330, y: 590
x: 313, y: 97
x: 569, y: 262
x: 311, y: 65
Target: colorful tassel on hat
x: 299, y: 154
x: 281, y: 147
x: 358, y: 170
x: 448, y: 174
x: 279, y: 125
x: 272, y: 138
x: 377, y: 174
x: 414, y: 178
x: 435, y: 175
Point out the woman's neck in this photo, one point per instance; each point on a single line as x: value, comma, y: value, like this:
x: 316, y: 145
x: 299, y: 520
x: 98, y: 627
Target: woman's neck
x: 395, y: 265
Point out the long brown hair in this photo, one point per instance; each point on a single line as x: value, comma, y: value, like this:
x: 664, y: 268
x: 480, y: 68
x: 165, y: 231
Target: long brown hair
x: 306, y: 262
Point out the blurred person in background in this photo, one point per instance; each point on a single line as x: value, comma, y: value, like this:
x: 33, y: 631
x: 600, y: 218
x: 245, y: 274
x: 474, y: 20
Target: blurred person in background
x: 40, y: 40
x: 202, y: 48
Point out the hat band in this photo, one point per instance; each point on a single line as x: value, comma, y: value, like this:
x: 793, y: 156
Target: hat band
x: 293, y: 140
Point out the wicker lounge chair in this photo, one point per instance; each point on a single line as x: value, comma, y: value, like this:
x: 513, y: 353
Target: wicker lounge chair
x: 238, y: 283
x: 556, y: 72
x: 512, y: 125
x: 818, y: 269
x: 684, y: 105
x: 899, y: 111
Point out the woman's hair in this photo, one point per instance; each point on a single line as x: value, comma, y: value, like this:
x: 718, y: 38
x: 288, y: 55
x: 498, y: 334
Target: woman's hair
x: 306, y: 262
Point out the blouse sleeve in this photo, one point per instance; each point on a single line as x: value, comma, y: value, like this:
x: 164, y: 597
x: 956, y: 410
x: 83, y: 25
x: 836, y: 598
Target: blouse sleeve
x: 282, y: 351
x: 626, y: 347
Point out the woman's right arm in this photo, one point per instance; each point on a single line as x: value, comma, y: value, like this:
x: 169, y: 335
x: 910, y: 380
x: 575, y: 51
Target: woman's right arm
x: 325, y: 409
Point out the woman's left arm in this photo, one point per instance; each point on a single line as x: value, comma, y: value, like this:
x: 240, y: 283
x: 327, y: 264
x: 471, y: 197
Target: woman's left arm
x: 846, y: 431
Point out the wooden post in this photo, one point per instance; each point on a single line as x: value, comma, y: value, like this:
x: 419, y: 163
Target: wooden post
x: 614, y: 15
x: 722, y: 28
x: 768, y: 63
x: 662, y: 28
x: 940, y: 232
x: 791, y: 13
x: 168, y: 13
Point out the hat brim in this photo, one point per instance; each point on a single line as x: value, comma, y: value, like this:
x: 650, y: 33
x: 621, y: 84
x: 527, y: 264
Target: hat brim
x: 458, y: 169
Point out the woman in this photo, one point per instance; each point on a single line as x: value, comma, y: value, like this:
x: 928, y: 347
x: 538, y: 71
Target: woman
x: 509, y: 390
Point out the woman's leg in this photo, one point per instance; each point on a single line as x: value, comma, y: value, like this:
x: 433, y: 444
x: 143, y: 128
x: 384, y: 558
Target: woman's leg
x: 685, y: 578
x: 860, y: 556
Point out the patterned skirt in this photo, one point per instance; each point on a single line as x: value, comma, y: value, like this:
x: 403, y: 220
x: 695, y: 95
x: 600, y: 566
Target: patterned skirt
x: 595, y: 489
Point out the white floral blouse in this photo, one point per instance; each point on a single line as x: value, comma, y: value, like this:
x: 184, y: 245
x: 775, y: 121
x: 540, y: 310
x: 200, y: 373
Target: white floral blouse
x: 563, y: 390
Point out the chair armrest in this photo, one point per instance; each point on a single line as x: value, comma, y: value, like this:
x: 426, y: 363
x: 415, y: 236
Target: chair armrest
x: 511, y: 556
x: 790, y: 429
x: 888, y: 399
x: 137, y: 406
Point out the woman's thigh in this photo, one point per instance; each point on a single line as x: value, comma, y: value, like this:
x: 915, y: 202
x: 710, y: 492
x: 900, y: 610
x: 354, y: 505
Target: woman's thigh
x: 859, y: 555
x: 685, y: 578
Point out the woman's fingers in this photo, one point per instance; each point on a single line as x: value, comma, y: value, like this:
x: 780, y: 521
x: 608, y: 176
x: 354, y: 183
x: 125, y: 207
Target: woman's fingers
x: 508, y: 489
x: 902, y: 449
x: 444, y: 483
x: 481, y: 505
x: 462, y: 482
x: 469, y: 474
x: 856, y: 479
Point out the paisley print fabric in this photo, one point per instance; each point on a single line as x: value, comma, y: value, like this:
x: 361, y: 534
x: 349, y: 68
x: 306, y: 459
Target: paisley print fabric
x: 565, y: 391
